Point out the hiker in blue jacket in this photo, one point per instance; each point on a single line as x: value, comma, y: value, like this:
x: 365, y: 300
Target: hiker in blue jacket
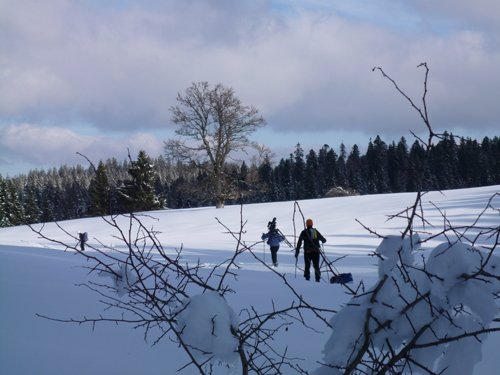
x: 311, y: 237
x: 274, y: 237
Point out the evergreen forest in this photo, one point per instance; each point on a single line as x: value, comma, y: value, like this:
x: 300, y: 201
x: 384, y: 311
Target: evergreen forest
x: 144, y: 184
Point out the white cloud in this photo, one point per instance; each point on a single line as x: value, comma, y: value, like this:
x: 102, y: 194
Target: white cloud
x: 52, y: 146
x: 305, y: 64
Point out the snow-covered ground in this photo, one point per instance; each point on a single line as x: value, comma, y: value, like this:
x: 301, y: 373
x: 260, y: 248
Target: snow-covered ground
x: 37, y: 277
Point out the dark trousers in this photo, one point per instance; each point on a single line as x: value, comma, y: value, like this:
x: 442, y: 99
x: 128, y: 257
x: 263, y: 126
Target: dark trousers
x: 274, y: 254
x: 312, y: 256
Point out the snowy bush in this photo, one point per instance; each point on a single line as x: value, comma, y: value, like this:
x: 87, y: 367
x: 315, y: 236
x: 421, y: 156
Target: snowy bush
x: 448, y: 301
x: 205, y: 322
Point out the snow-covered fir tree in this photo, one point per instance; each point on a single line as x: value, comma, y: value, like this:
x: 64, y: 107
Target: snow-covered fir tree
x: 138, y: 193
x: 99, y: 191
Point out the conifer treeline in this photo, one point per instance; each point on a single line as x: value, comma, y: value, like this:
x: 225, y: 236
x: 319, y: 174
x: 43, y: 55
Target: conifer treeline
x: 145, y: 184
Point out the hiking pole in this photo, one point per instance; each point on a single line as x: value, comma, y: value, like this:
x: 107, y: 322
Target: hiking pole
x: 329, y: 265
x: 325, y: 260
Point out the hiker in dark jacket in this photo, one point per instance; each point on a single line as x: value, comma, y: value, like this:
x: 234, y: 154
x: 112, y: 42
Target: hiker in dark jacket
x: 274, y: 238
x: 310, y: 237
x: 83, y: 237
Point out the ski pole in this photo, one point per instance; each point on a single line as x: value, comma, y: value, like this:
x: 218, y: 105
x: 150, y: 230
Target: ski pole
x: 326, y: 261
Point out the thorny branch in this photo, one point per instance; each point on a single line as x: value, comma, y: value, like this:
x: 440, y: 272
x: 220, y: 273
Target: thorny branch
x: 369, y: 358
x: 148, y: 282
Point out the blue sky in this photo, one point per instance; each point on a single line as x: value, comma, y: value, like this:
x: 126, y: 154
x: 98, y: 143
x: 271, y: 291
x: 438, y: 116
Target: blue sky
x: 80, y: 76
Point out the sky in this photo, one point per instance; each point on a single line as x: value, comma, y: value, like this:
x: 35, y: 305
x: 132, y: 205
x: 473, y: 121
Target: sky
x: 98, y: 78
x: 37, y: 277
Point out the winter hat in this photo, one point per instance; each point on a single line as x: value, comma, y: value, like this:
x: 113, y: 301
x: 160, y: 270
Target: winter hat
x: 309, y: 223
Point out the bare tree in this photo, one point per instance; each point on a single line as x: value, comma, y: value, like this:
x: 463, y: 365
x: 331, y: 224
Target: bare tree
x: 213, y: 123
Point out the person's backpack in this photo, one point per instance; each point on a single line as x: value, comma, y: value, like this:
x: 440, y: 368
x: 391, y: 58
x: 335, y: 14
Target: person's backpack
x: 84, y: 237
x: 272, y: 233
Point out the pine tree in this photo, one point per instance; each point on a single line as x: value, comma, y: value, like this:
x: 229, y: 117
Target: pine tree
x: 470, y: 166
x: 284, y: 185
x: 49, y: 203
x: 31, y: 206
x: 397, y: 166
x: 402, y: 156
x: 354, y: 170
x: 242, y: 174
x: 311, y: 176
x: 137, y: 193
x: 419, y: 177
x: 14, y: 204
x: 444, y: 163
x: 99, y: 192
x: 341, y: 172
x: 4, y: 216
x: 265, y: 172
x: 298, y: 173
x: 327, y: 160
x: 376, y: 159
x: 495, y: 160
x: 491, y: 153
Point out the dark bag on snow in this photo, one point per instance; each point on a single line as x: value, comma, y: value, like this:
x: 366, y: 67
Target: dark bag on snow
x: 342, y: 278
